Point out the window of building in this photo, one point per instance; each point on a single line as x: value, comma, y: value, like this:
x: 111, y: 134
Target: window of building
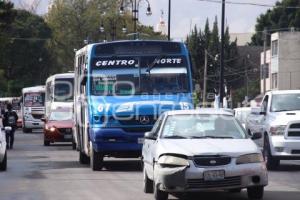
x: 265, y: 71
x: 275, y: 48
x: 274, y: 80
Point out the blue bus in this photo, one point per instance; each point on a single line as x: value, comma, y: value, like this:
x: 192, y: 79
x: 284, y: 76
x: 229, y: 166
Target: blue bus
x: 121, y: 88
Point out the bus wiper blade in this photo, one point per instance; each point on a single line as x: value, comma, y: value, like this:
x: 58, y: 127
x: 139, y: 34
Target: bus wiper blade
x: 175, y: 137
x: 154, y: 63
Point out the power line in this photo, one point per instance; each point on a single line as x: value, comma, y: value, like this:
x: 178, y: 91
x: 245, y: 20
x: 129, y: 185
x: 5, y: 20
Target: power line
x: 252, y: 4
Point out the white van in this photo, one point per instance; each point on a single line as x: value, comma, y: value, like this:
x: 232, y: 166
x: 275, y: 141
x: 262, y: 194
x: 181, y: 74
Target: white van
x: 59, y: 92
x: 33, y: 108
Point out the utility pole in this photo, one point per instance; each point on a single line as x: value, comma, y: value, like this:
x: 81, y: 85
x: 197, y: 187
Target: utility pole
x: 264, y: 67
x: 221, y: 89
x: 205, y: 80
x: 169, y: 21
x: 246, y: 79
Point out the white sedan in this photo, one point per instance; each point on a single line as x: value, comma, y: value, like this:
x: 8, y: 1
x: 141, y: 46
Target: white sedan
x: 3, y: 151
x: 201, y: 150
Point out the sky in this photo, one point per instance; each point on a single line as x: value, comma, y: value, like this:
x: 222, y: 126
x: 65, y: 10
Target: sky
x: 188, y: 13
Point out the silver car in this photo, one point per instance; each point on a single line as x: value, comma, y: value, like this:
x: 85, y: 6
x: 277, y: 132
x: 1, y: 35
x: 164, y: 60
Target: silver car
x: 3, y: 151
x: 201, y: 150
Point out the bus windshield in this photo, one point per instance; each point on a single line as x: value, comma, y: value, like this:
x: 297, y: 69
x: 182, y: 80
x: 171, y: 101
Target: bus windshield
x: 130, y: 82
x: 34, y: 99
x: 139, y: 76
x: 63, y: 91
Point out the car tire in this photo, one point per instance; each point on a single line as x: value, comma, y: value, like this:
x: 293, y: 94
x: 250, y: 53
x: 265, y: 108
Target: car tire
x: 159, y: 194
x: 26, y: 130
x: 271, y: 162
x: 83, y: 159
x: 46, y: 143
x: 96, y: 160
x: 148, y: 184
x: 3, y: 164
x: 255, y: 192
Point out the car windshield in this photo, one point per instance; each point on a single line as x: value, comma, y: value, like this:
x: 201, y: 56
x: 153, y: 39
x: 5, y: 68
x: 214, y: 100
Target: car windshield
x: 285, y: 102
x: 60, y: 116
x: 63, y: 91
x: 135, y: 82
x: 202, y: 126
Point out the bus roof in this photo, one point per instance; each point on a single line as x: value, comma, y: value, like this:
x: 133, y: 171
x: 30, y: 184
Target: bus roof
x: 63, y: 75
x: 89, y: 46
x: 40, y: 88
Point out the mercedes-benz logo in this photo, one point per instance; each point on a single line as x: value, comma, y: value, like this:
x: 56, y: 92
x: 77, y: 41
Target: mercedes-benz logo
x: 144, y: 120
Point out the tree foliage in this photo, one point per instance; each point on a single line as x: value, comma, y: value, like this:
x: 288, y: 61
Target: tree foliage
x: 209, y: 39
x: 281, y: 17
x: 25, y: 58
x: 74, y: 21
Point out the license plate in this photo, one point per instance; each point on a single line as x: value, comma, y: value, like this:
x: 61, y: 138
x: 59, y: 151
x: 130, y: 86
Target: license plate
x: 215, y: 175
x: 68, y: 136
x: 140, y: 140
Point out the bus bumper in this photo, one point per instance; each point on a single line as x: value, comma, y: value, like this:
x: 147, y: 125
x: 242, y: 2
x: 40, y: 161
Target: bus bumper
x: 116, y: 142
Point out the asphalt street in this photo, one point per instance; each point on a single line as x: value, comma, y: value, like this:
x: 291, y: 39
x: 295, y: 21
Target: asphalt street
x: 36, y: 172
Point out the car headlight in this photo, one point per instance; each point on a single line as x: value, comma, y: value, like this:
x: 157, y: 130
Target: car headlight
x: 52, y: 129
x: 168, y: 160
x: 277, y: 130
x: 249, y: 158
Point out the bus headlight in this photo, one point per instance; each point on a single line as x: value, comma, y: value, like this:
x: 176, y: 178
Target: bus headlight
x: 173, y: 161
x: 249, y: 158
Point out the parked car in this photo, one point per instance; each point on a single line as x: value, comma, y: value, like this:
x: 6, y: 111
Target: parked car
x: 280, y: 112
x: 201, y: 150
x: 241, y: 114
x: 254, y: 125
x: 58, y: 127
x: 3, y: 150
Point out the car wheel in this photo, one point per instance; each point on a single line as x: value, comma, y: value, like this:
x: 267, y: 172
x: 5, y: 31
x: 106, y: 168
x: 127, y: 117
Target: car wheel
x: 148, y: 184
x: 25, y: 130
x: 83, y: 159
x: 159, y: 194
x: 46, y: 143
x: 271, y: 162
x: 96, y: 160
x: 255, y: 192
x: 3, y: 164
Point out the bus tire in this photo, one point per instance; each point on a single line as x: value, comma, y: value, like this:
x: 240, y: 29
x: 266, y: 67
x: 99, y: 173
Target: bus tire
x: 83, y: 159
x: 96, y: 160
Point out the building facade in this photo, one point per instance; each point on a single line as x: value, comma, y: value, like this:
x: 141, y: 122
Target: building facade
x: 283, y: 62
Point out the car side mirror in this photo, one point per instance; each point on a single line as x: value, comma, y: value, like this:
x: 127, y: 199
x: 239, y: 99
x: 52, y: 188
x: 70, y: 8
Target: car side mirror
x: 43, y: 119
x: 150, y: 136
x: 256, y: 136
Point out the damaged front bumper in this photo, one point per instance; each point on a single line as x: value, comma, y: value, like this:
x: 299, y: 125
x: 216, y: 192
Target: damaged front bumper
x: 191, y: 179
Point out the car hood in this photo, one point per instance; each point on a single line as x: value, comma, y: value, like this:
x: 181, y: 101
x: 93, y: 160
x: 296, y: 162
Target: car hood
x: 283, y: 118
x: 196, y: 147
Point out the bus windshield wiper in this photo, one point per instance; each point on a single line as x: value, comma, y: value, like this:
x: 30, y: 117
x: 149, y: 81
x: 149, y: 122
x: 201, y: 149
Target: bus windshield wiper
x: 154, y: 63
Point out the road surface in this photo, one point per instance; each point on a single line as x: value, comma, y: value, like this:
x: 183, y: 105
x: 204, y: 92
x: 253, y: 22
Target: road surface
x: 36, y: 172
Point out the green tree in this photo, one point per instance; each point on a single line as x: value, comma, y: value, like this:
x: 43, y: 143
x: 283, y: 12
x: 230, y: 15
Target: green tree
x: 281, y: 17
x: 26, y: 60
x: 74, y: 21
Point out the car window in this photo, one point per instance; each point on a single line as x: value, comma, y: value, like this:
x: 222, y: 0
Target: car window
x: 60, y: 116
x: 192, y: 126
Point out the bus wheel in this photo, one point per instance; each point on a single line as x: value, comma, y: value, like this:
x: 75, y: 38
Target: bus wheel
x: 83, y: 159
x: 96, y: 160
